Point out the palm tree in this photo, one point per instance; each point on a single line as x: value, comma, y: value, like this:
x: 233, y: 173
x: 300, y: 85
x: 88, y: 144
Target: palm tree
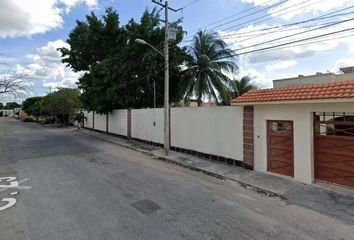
x: 241, y: 86
x: 208, y: 62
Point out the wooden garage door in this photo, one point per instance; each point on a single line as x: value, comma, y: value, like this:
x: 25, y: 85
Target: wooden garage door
x: 334, y: 148
x: 281, y: 147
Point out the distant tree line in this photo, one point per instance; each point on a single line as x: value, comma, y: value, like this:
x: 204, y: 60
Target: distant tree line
x: 10, y: 105
x: 61, y: 106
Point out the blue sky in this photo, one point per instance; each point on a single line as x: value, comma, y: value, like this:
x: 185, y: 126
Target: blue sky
x: 30, y: 32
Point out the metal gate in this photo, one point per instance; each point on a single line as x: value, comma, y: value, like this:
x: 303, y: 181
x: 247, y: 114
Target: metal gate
x: 334, y: 148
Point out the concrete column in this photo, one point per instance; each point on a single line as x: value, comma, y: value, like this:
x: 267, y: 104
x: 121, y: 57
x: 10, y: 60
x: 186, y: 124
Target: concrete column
x: 107, y: 123
x: 129, y: 123
x: 93, y: 120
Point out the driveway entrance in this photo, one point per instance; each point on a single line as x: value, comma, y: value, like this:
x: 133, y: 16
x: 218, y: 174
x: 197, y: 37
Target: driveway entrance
x: 334, y: 148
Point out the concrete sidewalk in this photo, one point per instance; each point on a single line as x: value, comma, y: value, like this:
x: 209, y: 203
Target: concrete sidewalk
x: 335, y: 201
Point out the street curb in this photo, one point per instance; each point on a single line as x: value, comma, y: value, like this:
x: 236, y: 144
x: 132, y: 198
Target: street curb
x: 206, y: 172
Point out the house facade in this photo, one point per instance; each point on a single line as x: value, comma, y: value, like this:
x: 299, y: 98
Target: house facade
x: 300, y: 131
x: 305, y: 132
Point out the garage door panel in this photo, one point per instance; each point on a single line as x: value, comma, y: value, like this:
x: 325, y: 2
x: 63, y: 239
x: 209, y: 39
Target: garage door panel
x: 324, y: 157
x: 345, y: 169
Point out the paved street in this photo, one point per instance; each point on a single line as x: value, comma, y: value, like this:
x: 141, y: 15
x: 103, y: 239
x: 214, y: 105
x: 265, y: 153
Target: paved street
x: 72, y: 186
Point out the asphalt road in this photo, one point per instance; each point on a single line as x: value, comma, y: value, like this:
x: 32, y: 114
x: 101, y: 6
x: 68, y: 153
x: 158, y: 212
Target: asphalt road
x: 72, y: 186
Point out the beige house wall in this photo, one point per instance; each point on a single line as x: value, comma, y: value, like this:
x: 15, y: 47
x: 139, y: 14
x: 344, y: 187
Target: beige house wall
x: 302, y: 117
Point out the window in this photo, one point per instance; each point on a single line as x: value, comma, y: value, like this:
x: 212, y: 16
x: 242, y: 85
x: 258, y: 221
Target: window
x: 284, y: 128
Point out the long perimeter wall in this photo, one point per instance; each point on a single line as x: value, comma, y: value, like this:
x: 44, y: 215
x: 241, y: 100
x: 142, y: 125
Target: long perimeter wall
x: 209, y: 132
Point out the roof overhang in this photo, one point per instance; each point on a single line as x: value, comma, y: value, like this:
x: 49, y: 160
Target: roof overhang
x: 316, y: 101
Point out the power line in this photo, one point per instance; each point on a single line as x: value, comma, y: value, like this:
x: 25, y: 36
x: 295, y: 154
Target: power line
x: 318, y: 18
x: 307, y: 43
x: 261, y: 17
x: 295, y: 34
x: 272, y: 14
x: 190, y: 4
x: 288, y: 43
x: 274, y: 48
x: 239, y: 13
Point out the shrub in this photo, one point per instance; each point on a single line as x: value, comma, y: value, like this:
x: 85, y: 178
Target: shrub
x: 28, y: 119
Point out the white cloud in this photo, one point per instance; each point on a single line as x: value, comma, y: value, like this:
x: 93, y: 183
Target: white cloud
x: 246, y: 39
x: 346, y: 62
x: 258, y: 78
x: 47, y: 67
x: 276, y: 65
x: 26, y: 18
x: 292, y: 8
x: 259, y: 2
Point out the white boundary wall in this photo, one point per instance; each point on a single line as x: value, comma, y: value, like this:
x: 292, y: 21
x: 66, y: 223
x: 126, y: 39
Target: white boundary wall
x: 143, y: 126
x: 211, y: 130
x: 117, y: 122
x: 100, y: 122
x: 88, y: 120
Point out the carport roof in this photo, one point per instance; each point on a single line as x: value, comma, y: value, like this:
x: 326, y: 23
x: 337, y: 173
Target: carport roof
x: 327, y: 91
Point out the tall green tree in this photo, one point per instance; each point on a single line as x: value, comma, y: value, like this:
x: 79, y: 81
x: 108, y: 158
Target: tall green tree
x: 61, y: 104
x: 239, y: 87
x: 208, y: 66
x: 33, y: 106
x: 118, y: 72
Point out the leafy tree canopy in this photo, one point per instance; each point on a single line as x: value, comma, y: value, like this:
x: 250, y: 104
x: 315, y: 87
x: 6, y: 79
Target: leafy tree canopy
x: 32, y: 106
x: 120, y: 73
x: 61, y: 104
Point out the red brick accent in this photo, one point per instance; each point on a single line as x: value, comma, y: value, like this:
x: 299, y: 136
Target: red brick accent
x: 248, y: 138
x: 129, y: 123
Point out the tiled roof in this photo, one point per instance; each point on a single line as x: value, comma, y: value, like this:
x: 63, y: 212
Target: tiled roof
x: 333, y: 90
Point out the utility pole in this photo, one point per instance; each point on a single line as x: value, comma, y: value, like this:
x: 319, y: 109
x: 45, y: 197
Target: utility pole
x: 167, y: 86
x: 167, y: 81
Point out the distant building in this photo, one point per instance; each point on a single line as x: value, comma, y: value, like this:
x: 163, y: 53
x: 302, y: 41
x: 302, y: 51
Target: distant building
x: 318, y: 78
x: 194, y: 103
x: 6, y: 113
x: 9, y: 112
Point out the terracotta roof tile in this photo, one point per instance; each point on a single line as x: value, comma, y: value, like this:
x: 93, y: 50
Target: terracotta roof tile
x: 333, y: 90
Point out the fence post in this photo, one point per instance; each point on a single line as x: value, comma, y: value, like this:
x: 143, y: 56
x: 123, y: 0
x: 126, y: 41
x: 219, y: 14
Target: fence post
x: 107, y: 122
x: 129, y: 123
x: 93, y: 120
